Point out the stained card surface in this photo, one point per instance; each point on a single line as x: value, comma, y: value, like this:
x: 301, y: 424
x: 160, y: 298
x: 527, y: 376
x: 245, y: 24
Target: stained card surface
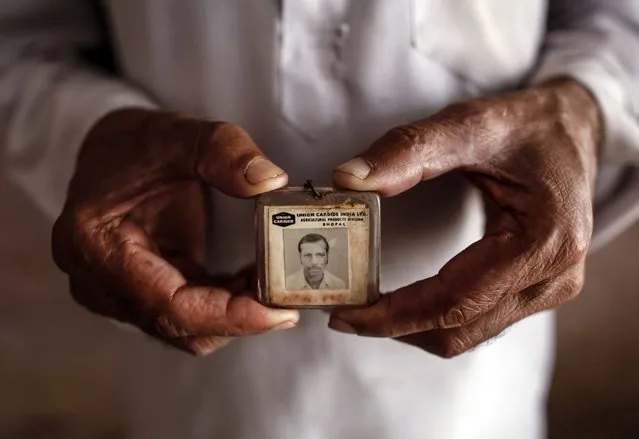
x: 317, y: 253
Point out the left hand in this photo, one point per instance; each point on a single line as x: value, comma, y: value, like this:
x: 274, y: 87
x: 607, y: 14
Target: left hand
x: 533, y: 154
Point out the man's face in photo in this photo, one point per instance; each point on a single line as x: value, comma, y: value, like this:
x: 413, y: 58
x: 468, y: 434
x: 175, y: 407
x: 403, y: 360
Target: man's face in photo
x: 314, y: 257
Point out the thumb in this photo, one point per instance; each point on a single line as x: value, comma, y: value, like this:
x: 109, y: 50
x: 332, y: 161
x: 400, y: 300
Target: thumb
x: 407, y: 155
x: 132, y: 151
x: 229, y: 160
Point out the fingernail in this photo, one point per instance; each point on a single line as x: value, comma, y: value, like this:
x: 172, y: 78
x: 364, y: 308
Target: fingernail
x: 260, y: 169
x: 283, y: 326
x: 282, y: 318
x: 357, y: 167
x: 341, y: 326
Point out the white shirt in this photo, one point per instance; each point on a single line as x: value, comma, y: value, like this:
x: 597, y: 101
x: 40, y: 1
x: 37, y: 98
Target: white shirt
x: 298, y: 281
x: 315, y: 82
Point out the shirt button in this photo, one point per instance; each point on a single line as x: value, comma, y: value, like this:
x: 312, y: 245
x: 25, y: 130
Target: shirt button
x: 341, y: 33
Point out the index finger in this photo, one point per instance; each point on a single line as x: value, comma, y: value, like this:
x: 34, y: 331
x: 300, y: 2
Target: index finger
x: 471, y: 284
x: 132, y: 153
x: 458, y: 137
x: 168, y: 304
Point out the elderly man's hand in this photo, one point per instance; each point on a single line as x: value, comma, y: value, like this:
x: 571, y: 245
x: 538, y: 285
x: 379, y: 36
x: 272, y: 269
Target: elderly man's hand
x: 533, y: 155
x: 131, y: 235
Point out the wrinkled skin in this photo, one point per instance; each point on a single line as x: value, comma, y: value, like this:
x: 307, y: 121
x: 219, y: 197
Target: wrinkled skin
x: 533, y: 155
x: 131, y: 233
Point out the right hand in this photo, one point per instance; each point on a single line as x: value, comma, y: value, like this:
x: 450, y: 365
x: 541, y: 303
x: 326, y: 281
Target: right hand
x: 131, y: 234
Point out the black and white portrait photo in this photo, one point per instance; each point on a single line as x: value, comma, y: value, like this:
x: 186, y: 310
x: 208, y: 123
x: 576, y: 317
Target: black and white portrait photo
x: 316, y: 259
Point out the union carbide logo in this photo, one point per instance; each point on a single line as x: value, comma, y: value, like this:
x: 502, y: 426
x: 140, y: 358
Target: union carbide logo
x: 283, y: 219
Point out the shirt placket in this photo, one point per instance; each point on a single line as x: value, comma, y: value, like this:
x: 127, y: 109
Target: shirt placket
x: 312, y: 93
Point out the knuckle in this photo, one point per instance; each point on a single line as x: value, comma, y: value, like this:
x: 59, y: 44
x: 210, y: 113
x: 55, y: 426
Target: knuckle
x: 472, y: 112
x: 452, y: 345
x: 400, y: 140
x: 572, y: 247
x: 196, y: 349
x: 203, y: 346
x: 167, y: 328
x: 411, y: 133
x: 126, y: 256
x: 83, y: 233
x: 571, y: 287
x: 568, y: 229
x: 387, y: 330
x: 220, y: 146
x: 184, y: 303
x: 224, y: 136
x: 563, y: 247
x: 450, y: 318
x: 460, y: 314
x: 228, y: 130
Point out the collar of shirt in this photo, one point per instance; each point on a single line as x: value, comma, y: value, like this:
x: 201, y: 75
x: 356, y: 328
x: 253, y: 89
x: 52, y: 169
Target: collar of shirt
x: 299, y: 279
x: 323, y: 285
